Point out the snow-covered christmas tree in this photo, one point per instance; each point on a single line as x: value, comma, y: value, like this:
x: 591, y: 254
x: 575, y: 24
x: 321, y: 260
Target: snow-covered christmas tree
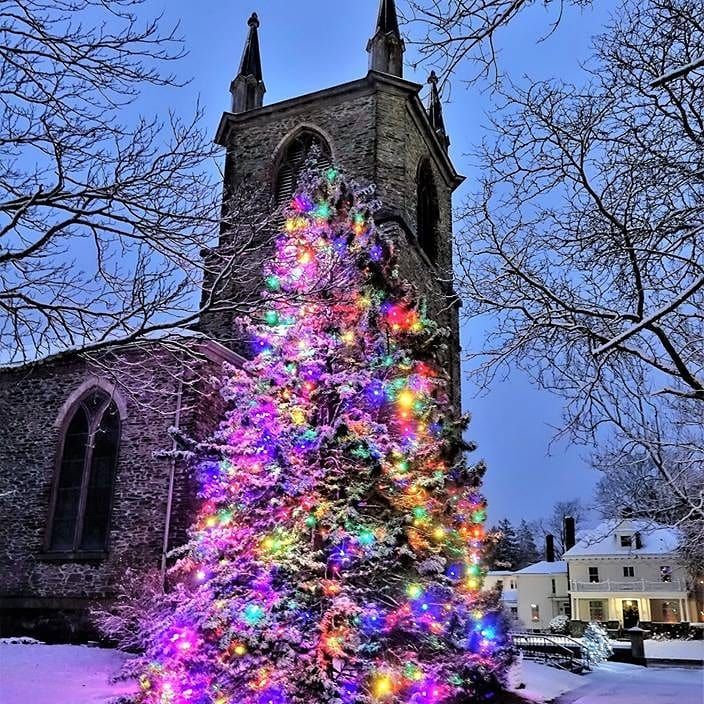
x: 337, y: 556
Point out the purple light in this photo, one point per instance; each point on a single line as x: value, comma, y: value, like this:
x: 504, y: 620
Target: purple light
x: 302, y: 203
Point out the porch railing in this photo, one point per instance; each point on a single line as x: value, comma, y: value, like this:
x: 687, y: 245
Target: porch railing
x: 632, y: 585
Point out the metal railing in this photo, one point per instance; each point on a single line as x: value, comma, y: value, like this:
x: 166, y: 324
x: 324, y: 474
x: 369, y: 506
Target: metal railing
x: 561, y: 652
x: 632, y: 585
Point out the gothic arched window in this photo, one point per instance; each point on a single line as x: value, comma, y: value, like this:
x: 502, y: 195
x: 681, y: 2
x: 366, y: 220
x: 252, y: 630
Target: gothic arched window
x: 428, y: 212
x: 80, y: 513
x: 295, y: 155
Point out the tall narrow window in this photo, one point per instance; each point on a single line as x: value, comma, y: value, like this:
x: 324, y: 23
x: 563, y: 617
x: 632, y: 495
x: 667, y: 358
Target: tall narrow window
x: 83, y: 491
x: 293, y: 161
x: 428, y: 211
x: 594, y: 574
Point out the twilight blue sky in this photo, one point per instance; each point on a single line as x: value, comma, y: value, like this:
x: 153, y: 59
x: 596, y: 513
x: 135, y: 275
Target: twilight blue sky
x: 307, y: 45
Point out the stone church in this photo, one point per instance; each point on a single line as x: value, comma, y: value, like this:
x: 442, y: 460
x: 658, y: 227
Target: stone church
x: 85, y: 495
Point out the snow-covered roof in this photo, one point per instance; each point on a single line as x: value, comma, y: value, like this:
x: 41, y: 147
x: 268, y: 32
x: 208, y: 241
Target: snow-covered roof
x: 500, y: 573
x: 545, y: 567
x: 605, y: 540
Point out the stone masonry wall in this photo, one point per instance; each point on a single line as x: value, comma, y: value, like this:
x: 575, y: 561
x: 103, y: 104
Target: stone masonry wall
x: 375, y: 137
x: 31, y: 401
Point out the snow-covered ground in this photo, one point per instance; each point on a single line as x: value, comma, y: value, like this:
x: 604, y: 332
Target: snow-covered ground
x: 71, y: 674
x: 542, y: 683
x: 675, y: 649
x: 59, y: 674
x: 611, y: 683
x: 618, y: 683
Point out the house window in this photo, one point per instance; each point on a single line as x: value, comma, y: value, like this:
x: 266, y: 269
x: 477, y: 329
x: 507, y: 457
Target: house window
x: 82, y: 495
x: 664, y: 611
x: 512, y: 584
x: 514, y: 611
x: 554, y: 586
x: 534, y: 612
x: 666, y: 573
x: 293, y: 162
x: 596, y: 611
x: 629, y: 571
x: 594, y: 574
x: 428, y: 211
x: 626, y: 541
x: 500, y: 583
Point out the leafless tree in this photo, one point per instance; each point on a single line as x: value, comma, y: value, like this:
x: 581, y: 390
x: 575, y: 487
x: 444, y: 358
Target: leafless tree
x: 460, y: 36
x: 104, y: 213
x: 585, y: 247
x: 555, y: 523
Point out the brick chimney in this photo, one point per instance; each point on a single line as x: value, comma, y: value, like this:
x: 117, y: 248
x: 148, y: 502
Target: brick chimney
x: 569, y: 533
x: 550, y: 547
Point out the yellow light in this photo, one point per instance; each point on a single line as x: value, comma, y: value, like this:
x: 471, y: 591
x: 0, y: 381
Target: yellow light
x: 348, y: 337
x: 414, y: 591
x: 240, y: 649
x: 439, y: 533
x: 298, y: 417
x: 211, y: 521
x: 383, y: 686
x: 406, y: 399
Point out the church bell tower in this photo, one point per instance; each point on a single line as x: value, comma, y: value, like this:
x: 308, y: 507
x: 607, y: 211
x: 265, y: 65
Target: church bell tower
x: 375, y: 129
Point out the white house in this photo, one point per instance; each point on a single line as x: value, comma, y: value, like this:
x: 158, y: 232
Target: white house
x: 627, y: 571
x: 535, y: 594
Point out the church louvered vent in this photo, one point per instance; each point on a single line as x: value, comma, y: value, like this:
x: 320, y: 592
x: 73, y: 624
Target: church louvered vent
x: 296, y: 154
x: 428, y: 213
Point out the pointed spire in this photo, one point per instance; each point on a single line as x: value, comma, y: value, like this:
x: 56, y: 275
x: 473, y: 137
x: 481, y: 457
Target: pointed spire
x: 435, y: 111
x: 251, y: 64
x: 248, y: 87
x: 386, y: 47
x: 388, y: 19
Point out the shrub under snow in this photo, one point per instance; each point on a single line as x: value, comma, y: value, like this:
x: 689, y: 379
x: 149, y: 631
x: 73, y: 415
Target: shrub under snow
x: 560, y: 625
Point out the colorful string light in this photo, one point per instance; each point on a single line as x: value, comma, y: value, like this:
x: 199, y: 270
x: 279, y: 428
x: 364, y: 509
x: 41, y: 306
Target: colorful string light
x: 337, y: 555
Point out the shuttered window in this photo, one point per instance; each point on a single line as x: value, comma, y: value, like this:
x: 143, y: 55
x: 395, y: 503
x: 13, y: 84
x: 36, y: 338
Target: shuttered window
x: 80, y: 512
x: 296, y: 154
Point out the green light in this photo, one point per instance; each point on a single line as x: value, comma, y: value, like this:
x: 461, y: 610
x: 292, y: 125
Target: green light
x: 271, y: 317
x: 311, y: 522
x: 420, y: 513
x: 323, y: 211
x: 479, y: 516
x: 273, y: 283
x: 366, y: 537
x: 331, y: 175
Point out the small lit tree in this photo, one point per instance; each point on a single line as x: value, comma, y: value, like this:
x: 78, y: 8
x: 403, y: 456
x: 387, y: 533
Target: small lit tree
x: 596, y: 645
